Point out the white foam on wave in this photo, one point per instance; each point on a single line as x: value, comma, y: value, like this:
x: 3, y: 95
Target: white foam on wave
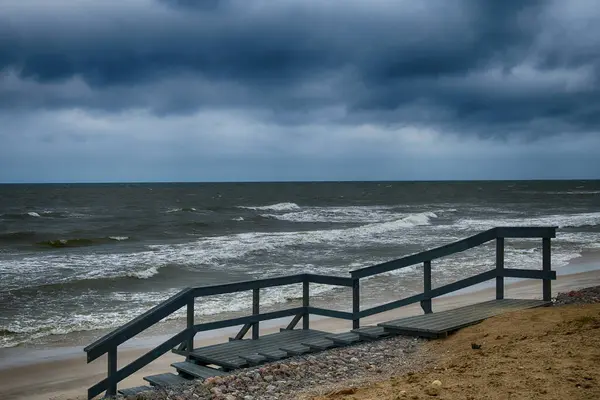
x: 208, y: 252
x: 237, y: 219
x: 143, y: 274
x: 275, y: 207
x: 119, y: 238
x: 354, y: 214
x: 175, y: 210
x: 34, y: 214
x: 560, y: 220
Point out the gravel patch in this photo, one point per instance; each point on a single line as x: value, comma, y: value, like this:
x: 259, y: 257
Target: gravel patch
x: 583, y: 296
x: 306, y: 375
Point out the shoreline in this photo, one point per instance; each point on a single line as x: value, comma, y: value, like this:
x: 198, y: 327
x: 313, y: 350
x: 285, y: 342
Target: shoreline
x: 62, y: 373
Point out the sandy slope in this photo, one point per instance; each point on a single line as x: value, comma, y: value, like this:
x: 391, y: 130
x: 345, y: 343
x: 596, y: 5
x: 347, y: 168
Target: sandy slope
x: 544, y: 353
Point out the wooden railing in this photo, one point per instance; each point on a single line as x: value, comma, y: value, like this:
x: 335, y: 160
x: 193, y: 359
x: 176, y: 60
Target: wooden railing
x: 186, y: 298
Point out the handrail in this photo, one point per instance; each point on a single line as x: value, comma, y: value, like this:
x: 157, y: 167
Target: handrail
x: 110, y: 342
x: 455, y: 247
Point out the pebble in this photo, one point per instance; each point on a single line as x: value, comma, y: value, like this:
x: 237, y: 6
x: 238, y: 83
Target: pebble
x: 326, y: 370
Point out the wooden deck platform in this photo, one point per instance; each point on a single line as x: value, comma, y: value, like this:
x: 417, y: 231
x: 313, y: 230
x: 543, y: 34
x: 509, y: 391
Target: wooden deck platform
x: 439, y: 324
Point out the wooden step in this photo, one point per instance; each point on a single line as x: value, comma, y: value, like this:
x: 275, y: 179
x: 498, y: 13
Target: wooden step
x: 345, y: 338
x: 274, y: 355
x: 197, y: 371
x: 135, y: 390
x: 295, y: 349
x: 372, y: 332
x: 319, y: 344
x: 165, y: 380
x: 254, y: 359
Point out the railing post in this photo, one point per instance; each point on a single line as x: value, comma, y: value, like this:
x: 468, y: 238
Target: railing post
x: 355, y: 303
x: 112, y: 370
x: 426, y: 302
x: 546, y: 267
x: 255, y: 311
x: 305, y: 303
x: 499, y: 268
x: 190, y: 325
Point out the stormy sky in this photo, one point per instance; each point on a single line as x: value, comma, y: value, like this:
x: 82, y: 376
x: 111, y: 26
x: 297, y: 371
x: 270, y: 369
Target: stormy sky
x: 253, y: 90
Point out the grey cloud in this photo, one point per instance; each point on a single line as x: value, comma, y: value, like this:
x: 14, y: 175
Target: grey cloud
x: 384, y: 62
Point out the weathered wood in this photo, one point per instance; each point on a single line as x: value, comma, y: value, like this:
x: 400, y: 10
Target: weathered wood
x: 441, y: 323
x: 371, y: 332
x: 428, y: 255
x: 329, y: 280
x: 139, y: 363
x: 426, y: 302
x: 295, y: 321
x: 235, y: 287
x: 255, y: 311
x: 165, y: 380
x: 330, y: 313
x: 244, y: 329
x: 209, y: 326
x: 391, y: 305
x: 319, y: 344
x: 526, y: 232
x: 355, y: 303
x: 452, y: 287
x: 136, y: 325
x: 190, y: 324
x: 546, y: 267
x: 344, y: 339
x: 529, y: 273
x: 112, y: 372
x: 499, y: 268
x: 306, y: 304
x: 197, y: 371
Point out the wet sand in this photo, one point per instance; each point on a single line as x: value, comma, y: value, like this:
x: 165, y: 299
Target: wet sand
x: 63, y: 373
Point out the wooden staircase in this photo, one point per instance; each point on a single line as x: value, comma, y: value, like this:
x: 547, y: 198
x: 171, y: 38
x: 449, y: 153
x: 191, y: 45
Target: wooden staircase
x: 220, y: 359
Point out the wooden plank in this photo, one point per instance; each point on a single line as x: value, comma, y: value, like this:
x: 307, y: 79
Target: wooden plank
x: 274, y: 355
x: 319, y: 344
x: 526, y: 232
x: 329, y: 280
x: 499, y: 268
x: 529, y: 273
x: 197, y: 371
x: 254, y: 359
x: 166, y: 380
x: 371, y: 332
x: 345, y: 338
x: 295, y: 349
x: 135, y: 390
x: 391, y: 305
x: 446, y: 321
x: 330, y: 313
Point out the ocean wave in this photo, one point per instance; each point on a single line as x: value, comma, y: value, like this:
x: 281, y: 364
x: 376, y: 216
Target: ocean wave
x: 183, y: 209
x: 40, y: 214
x: 143, y: 274
x: 81, y: 242
x: 275, y: 207
x: 17, y: 236
x: 560, y: 220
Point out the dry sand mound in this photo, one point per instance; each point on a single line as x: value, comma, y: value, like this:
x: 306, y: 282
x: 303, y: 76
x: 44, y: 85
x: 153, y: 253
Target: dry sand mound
x: 544, y: 353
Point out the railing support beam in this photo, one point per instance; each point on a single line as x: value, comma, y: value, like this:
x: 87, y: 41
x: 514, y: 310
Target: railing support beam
x: 112, y: 370
x: 500, y: 268
x: 255, y: 311
x: 356, y: 303
x: 547, y: 267
x: 426, y: 303
x: 190, y: 326
x: 306, y: 304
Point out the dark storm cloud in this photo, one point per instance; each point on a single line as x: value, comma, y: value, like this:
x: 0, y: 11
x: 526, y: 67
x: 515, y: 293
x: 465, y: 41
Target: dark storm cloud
x: 489, y: 67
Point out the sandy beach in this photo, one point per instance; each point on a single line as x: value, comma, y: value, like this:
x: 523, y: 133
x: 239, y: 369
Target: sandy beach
x: 64, y: 374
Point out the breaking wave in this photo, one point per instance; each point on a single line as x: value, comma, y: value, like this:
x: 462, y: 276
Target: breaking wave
x: 275, y: 207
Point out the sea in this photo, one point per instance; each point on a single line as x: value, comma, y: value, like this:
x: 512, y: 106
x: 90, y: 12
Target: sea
x: 90, y: 257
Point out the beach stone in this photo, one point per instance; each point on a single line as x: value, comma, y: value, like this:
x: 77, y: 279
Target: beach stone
x: 434, y: 389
